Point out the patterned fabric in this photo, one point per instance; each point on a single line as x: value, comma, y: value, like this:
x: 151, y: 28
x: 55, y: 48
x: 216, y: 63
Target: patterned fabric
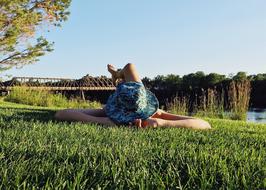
x: 131, y: 101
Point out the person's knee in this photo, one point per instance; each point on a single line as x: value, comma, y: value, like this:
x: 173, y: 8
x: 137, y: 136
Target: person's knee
x: 130, y: 66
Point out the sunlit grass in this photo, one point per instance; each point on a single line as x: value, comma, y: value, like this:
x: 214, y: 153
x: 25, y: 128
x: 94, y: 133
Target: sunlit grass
x: 24, y: 95
x: 38, y: 152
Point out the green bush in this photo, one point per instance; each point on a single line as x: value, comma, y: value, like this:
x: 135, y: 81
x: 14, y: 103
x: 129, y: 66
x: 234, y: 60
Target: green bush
x: 44, y: 98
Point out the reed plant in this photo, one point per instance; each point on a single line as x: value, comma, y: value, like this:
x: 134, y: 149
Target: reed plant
x: 231, y: 102
x: 178, y: 105
x: 210, y: 104
x: 24, y: 95
x: 238, y: 98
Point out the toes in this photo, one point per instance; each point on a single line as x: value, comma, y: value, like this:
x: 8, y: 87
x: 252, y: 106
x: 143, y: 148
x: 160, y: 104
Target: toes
x: 144, y: 124
x: 138, y: 122
x: 111, y: 68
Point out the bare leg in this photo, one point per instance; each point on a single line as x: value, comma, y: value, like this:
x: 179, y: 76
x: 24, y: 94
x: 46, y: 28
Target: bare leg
x: 83, y: 115
x: 187, y: 123
x: 193, y: 123
x: 164, y: 119
x: 92, y: 112
x: 161, y: 114
x: 160, y: 118
x: 128, y: 73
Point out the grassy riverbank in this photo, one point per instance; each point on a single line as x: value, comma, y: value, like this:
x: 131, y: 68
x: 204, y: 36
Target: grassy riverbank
x: 38, y: 152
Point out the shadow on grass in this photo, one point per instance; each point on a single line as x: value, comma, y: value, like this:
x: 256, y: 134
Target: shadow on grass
x: 11, y: 115
x: 27, y: 114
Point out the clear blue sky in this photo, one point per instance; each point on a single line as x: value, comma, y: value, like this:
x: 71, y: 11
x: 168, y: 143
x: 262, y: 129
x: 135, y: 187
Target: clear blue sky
x: 159, y: 36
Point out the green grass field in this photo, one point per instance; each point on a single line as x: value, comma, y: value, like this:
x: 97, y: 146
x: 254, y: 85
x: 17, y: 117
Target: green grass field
x: 38, y: 152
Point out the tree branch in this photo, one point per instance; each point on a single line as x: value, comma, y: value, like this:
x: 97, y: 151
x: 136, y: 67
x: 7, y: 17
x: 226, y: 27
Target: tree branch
x: 11, y: 56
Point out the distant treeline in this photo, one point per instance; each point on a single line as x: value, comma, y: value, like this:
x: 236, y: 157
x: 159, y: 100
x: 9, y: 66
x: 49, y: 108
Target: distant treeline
x: 168, y: 87
x: 193, y: 84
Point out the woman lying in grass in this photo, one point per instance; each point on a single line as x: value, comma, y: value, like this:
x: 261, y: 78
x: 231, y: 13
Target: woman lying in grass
x: 131, y: 105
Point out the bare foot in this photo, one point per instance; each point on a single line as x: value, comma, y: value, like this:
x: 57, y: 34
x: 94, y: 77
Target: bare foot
x: 114, y: 73
x: 111, y: 69
x: 138, y: 123
x: 150, y: 122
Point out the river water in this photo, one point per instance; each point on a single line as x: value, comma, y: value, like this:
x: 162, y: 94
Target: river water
x: 256, y: 115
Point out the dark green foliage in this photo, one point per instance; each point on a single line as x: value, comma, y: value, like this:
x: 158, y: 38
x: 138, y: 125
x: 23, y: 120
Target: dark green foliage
x: 212, y: 79
x: 193, y: 81
x: 240, y: 76
x: 259, y: 77
x: 192, y: 85
x: 258, y: 93
x: 38, y: 152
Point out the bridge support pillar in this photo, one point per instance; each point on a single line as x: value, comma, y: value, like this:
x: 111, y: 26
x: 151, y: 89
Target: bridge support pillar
x: 82, y: 95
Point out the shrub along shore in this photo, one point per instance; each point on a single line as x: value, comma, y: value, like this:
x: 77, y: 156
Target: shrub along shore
x: 230, y: 102
x: 23, y: 95
x: 38, y: 152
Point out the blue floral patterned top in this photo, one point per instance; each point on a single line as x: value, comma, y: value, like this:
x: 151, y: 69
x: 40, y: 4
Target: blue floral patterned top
x: 129, y: 102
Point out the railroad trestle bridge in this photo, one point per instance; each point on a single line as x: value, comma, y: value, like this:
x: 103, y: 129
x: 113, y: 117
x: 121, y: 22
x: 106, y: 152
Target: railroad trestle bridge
x: 86, y: 83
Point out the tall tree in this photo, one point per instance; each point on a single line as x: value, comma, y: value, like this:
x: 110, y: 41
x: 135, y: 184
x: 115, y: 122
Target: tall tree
x: 240, y: 76
x: 19, y: 22
x: 212, y: 79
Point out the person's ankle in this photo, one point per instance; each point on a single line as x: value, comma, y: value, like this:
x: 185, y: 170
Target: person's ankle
x: 119, y: 74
